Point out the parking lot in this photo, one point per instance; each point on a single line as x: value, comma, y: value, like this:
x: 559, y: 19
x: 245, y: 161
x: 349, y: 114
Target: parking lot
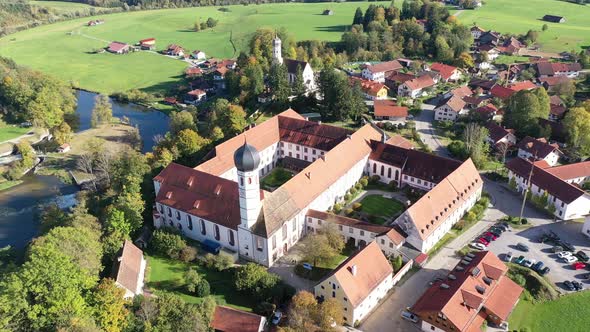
x: 560, y: 271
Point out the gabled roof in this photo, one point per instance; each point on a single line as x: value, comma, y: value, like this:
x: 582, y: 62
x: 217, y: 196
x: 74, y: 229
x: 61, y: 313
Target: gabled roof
x: 400, y: 77
x: 454, y: 102
x: 292, y: 64
x: 400, y: 141
x: 557, y: 110
x: 196, y: 92
x: 128, y: 267
x: 538, y: 147
x: 487, y: 110
x: 571, y: 171
x: 117, y: 46
x: 445, y: 71
x: 479, y: 83
x: 371, y: 88
x: 384, y: 66
x: 497, y: 132
x: 460, y: 297
x: 390, y: 108
x: 554, y: 80
x: 551, y: 68
x: 421, y: 82
x: 462, y: 91
x: 371, y: 269
x: 543, y: 179
x: 226, y: 319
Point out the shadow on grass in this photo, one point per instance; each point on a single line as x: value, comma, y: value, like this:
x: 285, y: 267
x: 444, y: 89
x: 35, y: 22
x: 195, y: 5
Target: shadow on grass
x: 332, y: 28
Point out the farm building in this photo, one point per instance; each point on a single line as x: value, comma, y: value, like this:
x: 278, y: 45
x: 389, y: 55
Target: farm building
x: 94, y: 22
x: 389, y: 110
x: 554, y: 19
x: 198, y: 55
x: 147, y: 44
x: 174, y: 50
x: 118, y: 47
x: 328, y: 12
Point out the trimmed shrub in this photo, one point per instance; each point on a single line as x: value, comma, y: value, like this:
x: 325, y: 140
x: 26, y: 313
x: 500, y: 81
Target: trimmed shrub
x: 188, y: 254
x: 374, y: 179
x: 202, y: 288
x: 352, y: 191
x: 219, y: 262
x: 357, y: 206
x: 524, y: 221
x: 364, y: 181
x: 459, y: 225
x: 349, y: 211
x: 347, y: 196
x: 337, y: 208
x: 167, y: 242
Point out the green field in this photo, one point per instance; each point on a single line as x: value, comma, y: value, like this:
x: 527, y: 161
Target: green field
x: 568, y: 313
x: 64, y: 6
x: 515, y: 16
x: 65, y: 49
x: 10, y: 132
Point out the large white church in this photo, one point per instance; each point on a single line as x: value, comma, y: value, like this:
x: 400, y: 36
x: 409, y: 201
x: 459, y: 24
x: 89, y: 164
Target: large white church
x: 220, y: 200
x: 292, y: 65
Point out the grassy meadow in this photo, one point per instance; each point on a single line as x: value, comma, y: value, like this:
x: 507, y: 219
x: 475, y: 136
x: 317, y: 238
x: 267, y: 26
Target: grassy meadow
x: 64, y: 49
x: 514, y: 16
x: 568, y: 313
x: 64, y: 6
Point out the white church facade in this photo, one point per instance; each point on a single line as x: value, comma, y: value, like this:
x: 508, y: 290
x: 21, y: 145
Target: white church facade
x: 220, y: 200
x: 294, y: 65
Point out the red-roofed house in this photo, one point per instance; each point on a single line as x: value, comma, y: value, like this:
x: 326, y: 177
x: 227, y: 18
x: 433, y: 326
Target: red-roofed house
x: 556, y: 112
x: 379, y: 71
x: 193, y: 71
x: 389, y: 110
x: 174, y: 50
x: 415, y: 87
x: 118, y: 47
x: 548, y: 69
x: 447, y: 73
x: 226, y: 319
x: 147, y: 44
x: 476, y: 290
x: 359, y: 283
x: 129, y: 270
x: 500, y: 135
x: 489, y: 112
x: 371, y: 89
x: 450, y: 109
x: 530, y: 147
x: 195, y: 96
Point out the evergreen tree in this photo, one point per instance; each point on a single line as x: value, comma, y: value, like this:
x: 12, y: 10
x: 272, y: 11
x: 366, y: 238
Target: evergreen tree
x: 102, y: 113
x: 358, y: 16
x: 299, y: 85
x: 279, y: 83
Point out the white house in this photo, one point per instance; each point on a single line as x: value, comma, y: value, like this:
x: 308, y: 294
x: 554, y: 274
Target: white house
x: 564, y: 200
x: 450, y: 109
x: 476, y: 31
x: 379, y: 71
x: 500, y: 135
x: 415, y: 87
x: 198, y: 55
x: 447, y: 73
x: 539, y: 149
x: 129, y: 270
x: 359, y: 283
x: 549, y: 69
x: 293, y: 66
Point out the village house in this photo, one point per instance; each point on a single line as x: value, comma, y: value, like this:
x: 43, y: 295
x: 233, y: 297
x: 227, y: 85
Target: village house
x: 226, y: 319
x: 293, y: 66
x: 379, y: 71
x: 393, y: 80
x: 475, y: 291
x: 371, y: 90
x: 474, y: 102
x: 198, y: 55
x: 174, y: 50
x: 415, y: 87
x: 148, y: 44
x: 556, y: 112
x: 500, y: 135
x: 504, y: 92
x: 64, y: 148
x: 129, y: 270
x: 193, y: 72
x: 559, y: 185
x: 195, y: 96
x: 489, y: 112
x: 554, y: 19
x: 118, y: 47
x: 447, y: 73
x: 539, y: 149
x: 511, y: 46
x: 476, y: 32
x: 548, y: 69
x: 489, y: 38
x: 460, y: 92
x: 388, y: 110
x: 449, y: 109
x: 358, y: 283
x: 491, y: 50
x: 204, y: 202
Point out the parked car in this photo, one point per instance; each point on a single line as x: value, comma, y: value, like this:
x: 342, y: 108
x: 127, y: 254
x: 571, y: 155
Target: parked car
x: 477, y: 245
x: 492, y: 235
x: 582, y: 256
x: 522, y: 247
x: 508, y: 257
x: 563, y: 254
x: 488, y: 238
x: 495, y: 231
x: 556, y: 249
x: 538, y: 266
x: 276, y: 318
x: 498, y: 229
x: 570, y: 259
x: 578, y: 265
x: 567, y: 246
x: 505, y: 225
x: 528, y: 262
x: 483, y: 241
x: 409, y: 316
x: 519, y: 259
x: 577, y: 285
x: 568, y: 284
x: 544, y: 271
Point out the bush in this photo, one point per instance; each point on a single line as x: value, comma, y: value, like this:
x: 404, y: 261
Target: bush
x: 358, y: 186
x: 459, y: 225
x: 188, y: 254
x: 347, y: 196
x: 167, y: 242
x: 352, y: 191
x: 364, y: 181
x: 202, y: 288
x: 393, y: 184
x: 264, y: 309
x: 349, y: 211
x: 519, y: 279
x: 524, y: 221
x: 374, y: 179
x: 457, y: 149
x: 337, y: 208
x: 220, y: 262
x: 357, y: 206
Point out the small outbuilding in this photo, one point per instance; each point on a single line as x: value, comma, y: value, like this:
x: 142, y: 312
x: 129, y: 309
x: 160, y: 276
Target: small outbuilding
x: 328, y: 12
x: 554, y: 19
x: 64, y: 148
x: 118, y: 47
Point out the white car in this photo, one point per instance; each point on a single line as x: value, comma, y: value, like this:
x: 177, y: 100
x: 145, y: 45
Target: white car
x: 529, y: 262
x: 570, y: 259
x: 477, y: 245
x: 564, y: 254
x: 276, y: 318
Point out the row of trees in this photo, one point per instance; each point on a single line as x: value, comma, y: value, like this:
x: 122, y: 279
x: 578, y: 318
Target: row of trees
x: 210, y: 23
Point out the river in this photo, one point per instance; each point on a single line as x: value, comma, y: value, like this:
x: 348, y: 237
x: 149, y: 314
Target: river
x: 20, y: 205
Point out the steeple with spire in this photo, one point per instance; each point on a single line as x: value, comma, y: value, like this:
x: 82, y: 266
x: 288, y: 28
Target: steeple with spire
x: 277, y: 49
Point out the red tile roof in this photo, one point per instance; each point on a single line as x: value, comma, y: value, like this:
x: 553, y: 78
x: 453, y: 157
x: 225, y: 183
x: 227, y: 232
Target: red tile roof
x: 128, y: 267
x: 147, y: 41
x: 311, y: 134
x: 501, y: 92
x: 487, y: 110
x: 400, y: 77
x: 197, y: 92
x: 551, y: 68
x: 557, y: 110
x: 497, y: 132
x: 445, y: 71
x: 384, y: 66
x: 371, y: 88
x: 390, y: 108
x: 117, y: 46
x: 193, y: 71
x: 538, y: 147
x: 226, y: 319
x: 462, y: 91
x: 524, y: 85
x: 400, y: 141
x: 554, y: 80
x: 372, y: 268
x: 454, y: 102
x: 421, y: 82
x: 571, y: 171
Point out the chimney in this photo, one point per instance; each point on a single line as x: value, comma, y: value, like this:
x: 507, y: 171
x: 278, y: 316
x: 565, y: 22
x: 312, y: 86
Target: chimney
x: 308, y: 175
x: 323, y: 157
x: 349, y: 136
x: 190, y: 181
x: 353, y: 270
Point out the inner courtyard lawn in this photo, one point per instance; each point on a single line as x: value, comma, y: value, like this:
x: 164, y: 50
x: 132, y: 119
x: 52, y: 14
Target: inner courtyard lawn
x: 568, y: 313
x: 167, y: 275
x: 276, y: 178
x: 517, y: 17
x: 65, y: 49
x: 380, y: 206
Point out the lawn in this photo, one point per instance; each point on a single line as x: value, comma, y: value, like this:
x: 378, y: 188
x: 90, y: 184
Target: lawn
x: 65, y: 6
x: 10, y: 132
x: 513, y: 16
x: 166, y: 274
x: 568, y: 313
x: 378, y: 205
x: 510, y: 59
x: 64, y: 49
x: 276, y: 178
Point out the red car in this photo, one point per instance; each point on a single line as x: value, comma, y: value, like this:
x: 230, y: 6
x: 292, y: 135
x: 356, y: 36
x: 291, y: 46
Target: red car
x: 490, y: 234
x: 578, y: 265
x: 483, y: 241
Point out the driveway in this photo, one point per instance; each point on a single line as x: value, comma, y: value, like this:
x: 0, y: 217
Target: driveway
x: 426, y: 131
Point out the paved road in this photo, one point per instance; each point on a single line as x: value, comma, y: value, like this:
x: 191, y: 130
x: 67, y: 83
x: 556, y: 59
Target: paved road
x: 387, y: 316
x: 424, y: 127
